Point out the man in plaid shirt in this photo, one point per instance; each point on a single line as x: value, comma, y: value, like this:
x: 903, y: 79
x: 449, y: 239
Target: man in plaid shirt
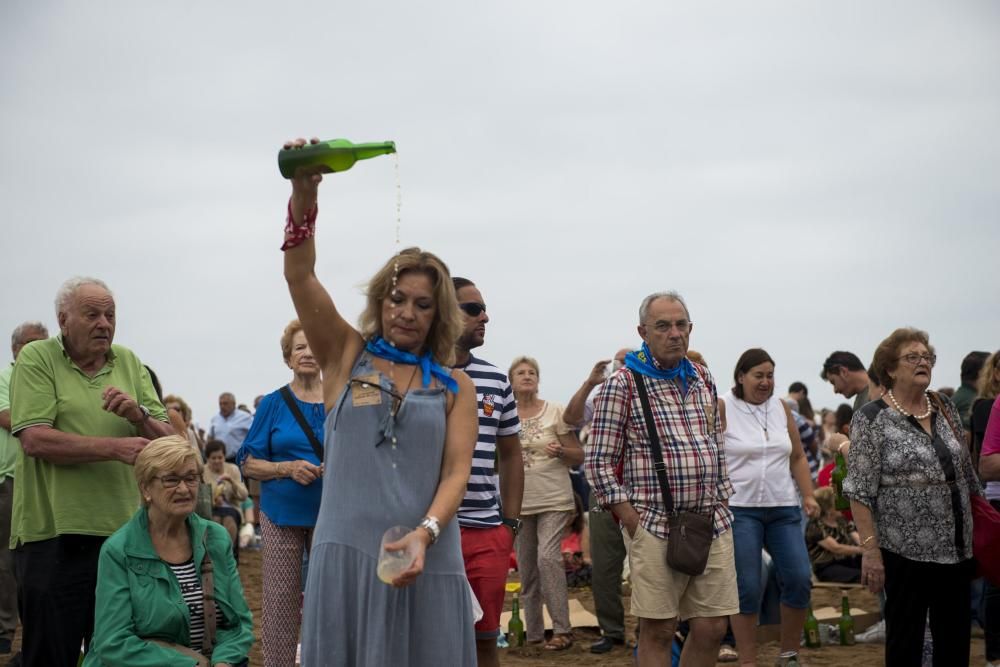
x: 684, y: 403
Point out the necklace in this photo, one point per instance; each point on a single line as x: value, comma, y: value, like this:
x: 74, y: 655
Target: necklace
x: 899, y: 408
x: 753, y: 413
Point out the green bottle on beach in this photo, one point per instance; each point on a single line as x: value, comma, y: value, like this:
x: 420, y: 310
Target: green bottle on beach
x: 846, y: 624
x: 515, y: 628
x: 837, y: 478
x: 334, y: 155
x: 811, y: 630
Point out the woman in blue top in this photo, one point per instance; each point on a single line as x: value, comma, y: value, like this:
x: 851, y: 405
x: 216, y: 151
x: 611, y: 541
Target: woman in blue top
x: 280, y: 452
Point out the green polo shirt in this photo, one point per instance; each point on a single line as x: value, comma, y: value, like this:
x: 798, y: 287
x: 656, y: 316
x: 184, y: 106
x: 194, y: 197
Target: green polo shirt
x: 9, y: 446
x: 86, y: 498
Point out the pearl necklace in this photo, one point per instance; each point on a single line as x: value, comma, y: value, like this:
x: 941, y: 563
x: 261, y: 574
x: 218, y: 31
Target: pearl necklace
x: 899, y: 408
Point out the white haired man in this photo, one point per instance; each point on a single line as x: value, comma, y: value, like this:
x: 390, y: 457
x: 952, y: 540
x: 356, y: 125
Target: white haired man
x: 83, y: 409
x: 24, y: 333
x: 662, y: 387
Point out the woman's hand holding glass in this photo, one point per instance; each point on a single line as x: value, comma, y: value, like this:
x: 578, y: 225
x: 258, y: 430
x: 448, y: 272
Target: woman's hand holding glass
x: 414, y: 544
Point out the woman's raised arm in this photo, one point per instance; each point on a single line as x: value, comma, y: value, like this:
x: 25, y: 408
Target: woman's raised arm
x: 332, y: 339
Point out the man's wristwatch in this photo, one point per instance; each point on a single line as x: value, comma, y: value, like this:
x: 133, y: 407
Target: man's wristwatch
x: 145, y: 414
x: 513, y: 524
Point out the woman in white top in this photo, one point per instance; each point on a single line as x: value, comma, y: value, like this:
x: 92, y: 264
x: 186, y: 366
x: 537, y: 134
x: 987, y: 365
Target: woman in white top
x: 766, y: 463
x: 549, y: 448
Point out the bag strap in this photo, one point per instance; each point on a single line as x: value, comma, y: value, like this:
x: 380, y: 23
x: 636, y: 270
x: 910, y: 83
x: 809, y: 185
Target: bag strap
x: 936, y: 397
x: 947, y: 463
x: 208, y: 599
x: 293, y: 407
x: 654, y: 443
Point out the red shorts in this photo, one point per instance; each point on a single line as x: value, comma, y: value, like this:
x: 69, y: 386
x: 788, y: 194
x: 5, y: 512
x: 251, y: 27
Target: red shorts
x: 486, y: 552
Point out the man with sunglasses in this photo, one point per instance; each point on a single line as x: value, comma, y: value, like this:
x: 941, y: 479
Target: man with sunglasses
x: 489, y: 511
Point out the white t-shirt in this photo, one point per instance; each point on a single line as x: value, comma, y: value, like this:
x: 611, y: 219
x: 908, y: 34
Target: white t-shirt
x: 758, y: 465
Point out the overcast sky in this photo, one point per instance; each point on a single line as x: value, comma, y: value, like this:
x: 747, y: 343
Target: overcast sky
x: 808, y: 175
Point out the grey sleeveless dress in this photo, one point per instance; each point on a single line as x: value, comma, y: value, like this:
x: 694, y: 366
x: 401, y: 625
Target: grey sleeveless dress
x: 350, y: 618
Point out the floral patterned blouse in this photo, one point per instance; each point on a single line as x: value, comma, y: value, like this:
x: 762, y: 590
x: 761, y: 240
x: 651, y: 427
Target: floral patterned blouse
x: 920, y: 507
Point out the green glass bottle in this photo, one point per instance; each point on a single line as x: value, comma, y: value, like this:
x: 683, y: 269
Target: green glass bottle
x: 846, y: 623
x: 515, y: 628
x: 335, y: 155
x: 837, y: 478
x: 811, y: 630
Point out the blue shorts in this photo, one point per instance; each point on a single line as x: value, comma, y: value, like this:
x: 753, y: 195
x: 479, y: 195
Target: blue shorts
x: 779, y: 530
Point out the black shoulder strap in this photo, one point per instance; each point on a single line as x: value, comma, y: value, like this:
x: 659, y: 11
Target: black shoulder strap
x: 293, y: 407
x: 654, y: 443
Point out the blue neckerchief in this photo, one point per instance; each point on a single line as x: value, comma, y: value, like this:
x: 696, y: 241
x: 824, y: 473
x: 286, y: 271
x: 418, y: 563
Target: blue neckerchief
x: 428, y: 367
x: 641, y: 361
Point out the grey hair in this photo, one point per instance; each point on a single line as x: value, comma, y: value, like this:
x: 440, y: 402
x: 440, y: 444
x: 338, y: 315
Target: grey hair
x: 648, y: 301
x: 23, y: 328
x: 69, y: 288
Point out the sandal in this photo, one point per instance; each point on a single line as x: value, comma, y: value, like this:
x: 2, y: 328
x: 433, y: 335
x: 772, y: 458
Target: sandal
x: 559, y: 643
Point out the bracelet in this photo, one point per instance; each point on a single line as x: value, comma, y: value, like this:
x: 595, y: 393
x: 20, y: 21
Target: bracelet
x: 840, y: 449
x: 868, y: 539
x: 277, y: 470
x: 432, y: 526
x: 296, y: 234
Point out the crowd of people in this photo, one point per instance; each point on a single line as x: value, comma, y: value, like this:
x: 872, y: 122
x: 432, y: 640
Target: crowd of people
x: 123, y: 522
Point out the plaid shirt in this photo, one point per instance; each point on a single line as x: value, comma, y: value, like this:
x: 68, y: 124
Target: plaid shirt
x: 690, y: 431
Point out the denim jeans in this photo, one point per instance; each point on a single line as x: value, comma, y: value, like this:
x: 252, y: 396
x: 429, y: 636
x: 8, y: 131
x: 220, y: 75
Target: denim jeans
x: 779, y: 530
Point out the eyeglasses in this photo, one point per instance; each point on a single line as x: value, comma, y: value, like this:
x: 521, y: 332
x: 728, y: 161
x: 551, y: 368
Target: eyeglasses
x: 913, y: 359
x: 472, y: 309
x: 664, y: 326
x: 173, y: 481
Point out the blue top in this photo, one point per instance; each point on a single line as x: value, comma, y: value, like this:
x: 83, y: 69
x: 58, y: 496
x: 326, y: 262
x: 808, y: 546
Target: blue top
x: 276, y: 436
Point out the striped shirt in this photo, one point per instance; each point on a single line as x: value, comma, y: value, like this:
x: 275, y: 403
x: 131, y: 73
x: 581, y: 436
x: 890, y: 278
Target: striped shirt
x: 690, y: 432
x: 190, y: 583
x: 497, y: 417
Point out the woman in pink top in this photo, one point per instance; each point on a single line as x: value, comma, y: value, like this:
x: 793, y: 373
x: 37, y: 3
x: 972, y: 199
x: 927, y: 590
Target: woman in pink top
x: 989, y: 472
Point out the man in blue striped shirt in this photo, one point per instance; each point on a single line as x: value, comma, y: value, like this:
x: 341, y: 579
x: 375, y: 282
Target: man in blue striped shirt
x: 489, y: 511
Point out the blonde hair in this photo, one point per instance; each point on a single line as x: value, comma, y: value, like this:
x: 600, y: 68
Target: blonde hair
x: 447, y: 324
x: 163, y: 455
x: 988, y: 385
x: 185, y: 408
x: 825, y: 497
x: 291, y: 329
x: 524, y: 360
x: 887, y: 353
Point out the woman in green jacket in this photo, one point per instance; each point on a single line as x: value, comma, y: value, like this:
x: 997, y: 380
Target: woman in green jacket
x: 152, y: 574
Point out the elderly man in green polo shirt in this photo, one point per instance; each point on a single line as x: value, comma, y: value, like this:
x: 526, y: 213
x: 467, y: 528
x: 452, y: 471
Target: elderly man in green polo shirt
x: 83, y: 409
x: 9, y: 448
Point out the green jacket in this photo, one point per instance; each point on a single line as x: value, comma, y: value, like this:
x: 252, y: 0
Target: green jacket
x: 138, y: 597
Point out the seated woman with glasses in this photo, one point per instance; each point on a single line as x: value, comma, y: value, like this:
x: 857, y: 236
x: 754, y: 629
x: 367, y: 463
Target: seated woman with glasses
x: 158, y: 572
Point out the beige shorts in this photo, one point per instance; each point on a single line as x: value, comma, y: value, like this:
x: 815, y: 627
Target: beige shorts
x: 661, y: 592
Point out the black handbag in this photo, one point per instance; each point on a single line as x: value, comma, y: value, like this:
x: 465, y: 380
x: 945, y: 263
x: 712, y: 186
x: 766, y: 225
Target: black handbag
x: 691, y: 533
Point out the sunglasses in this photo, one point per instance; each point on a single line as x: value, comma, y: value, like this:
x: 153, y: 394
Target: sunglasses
x: 472, y: 309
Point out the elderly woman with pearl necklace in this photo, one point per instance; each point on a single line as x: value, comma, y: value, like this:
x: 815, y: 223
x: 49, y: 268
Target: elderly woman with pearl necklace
x: 909, y: 479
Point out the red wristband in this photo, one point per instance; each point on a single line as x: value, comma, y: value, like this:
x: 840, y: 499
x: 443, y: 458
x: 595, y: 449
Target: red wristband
x: 296, y: 234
